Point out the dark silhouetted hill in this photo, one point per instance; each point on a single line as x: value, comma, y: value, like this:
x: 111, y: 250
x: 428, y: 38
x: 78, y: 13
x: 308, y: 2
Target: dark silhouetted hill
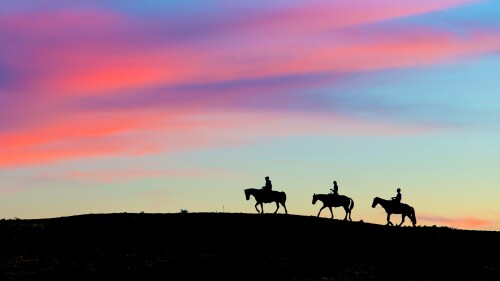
x: 235, y: 246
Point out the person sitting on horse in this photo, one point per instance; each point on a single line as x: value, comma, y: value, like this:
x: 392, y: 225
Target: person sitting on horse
x: 268, y: 186
x: 397, y: 198
x: 335, y: 189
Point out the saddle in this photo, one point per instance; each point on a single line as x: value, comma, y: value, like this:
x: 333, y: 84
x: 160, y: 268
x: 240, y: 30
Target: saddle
x: 397, y: 205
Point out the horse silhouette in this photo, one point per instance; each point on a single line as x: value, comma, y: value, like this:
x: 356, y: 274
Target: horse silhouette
x: 396, y: 208
x: 264, y: 196
x: 330, y: 200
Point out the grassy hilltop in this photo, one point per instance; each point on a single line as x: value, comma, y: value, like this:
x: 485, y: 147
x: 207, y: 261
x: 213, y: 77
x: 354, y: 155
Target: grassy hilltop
x: 236, y: 246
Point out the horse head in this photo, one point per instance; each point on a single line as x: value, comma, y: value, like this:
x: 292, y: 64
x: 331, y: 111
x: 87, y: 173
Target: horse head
x: 315, y: 198
x: 376, y: 200
x: 247, y: 194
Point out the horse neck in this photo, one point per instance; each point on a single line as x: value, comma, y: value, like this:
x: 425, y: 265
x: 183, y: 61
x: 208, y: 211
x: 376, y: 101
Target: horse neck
x: 322, y: 197
x: 383, y: 202
x: 257, y: 192
x: 250, y: 191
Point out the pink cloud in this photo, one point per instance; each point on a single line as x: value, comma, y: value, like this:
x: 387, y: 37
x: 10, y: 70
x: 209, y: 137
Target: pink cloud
x: 312, y: 16
x: 463, y: 222
x: 163, y: 132
x: 417, y: 47
x: 108, y: 76
x: 90, y: 135
x: 170, y: 67
x: 116, y: 55
x: 56, y: 67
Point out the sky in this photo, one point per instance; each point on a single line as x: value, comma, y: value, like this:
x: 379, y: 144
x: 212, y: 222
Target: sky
x: 161, y: 106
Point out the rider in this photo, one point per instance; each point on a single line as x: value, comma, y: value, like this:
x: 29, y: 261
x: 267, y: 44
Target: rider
x: 335, y: 189
x: 268, y: 186
x: 397, y: 198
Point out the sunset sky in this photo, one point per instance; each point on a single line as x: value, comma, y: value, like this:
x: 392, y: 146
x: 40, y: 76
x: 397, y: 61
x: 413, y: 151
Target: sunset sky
x: 158, y: 106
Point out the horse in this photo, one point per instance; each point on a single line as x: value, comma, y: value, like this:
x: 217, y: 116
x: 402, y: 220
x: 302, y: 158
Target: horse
x: 264, y: 196
x: 396, y: 208
x: 331, y: 200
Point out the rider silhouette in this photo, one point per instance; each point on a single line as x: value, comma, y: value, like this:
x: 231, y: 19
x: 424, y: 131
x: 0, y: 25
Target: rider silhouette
x: 335, y: 189
x: 397, y: 198
x: 268, y: 186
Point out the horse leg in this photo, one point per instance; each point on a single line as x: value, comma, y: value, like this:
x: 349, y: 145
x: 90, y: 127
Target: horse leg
x: 286, y: 211
x: 402, y: 219
x: 350, y: 207
x: 261, y: 208
x: 389, y: 219
x: 258, y: 211
x: 346, y: 208
x: 331, y: 212
x: 277, y: 207
x: 321, y: 210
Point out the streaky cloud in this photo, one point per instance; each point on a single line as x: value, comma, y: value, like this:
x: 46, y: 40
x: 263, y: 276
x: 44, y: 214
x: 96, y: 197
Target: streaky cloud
x: 462, y: 222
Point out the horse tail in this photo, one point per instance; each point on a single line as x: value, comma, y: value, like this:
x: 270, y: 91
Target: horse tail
x: 284, y: 197
x: 352, y: 204
x: 413, y: 217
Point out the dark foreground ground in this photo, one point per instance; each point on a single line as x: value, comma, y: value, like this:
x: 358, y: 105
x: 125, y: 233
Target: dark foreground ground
x: 230, y: 246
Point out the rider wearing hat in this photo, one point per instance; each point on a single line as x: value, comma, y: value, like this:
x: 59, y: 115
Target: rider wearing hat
x: 269, y: 185
x: 335, y: 189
